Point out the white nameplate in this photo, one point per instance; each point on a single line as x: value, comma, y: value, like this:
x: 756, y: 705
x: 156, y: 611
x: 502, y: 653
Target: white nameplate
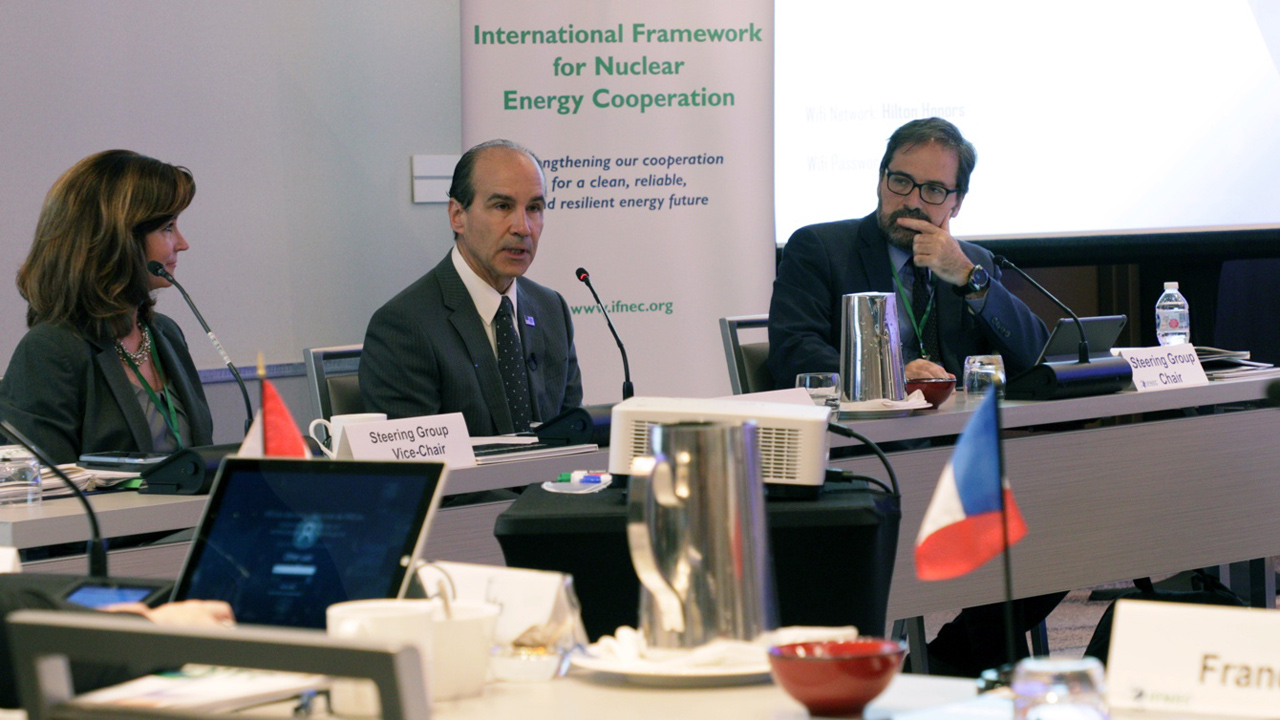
x: 438, y: 438
x: 1220, y: 661
x: 10, y: 560
x: 1164, y: 367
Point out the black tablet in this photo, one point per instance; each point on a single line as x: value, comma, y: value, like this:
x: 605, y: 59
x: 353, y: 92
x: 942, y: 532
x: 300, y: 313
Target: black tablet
x: 1064, y: 342
x: 281, y: 540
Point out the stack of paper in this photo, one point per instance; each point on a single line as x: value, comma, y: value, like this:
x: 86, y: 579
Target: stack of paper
x: 87, y: 480
x: 204, y: 689
x: 1219, y: 364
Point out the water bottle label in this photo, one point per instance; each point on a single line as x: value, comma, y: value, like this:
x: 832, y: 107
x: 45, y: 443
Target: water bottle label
x: 1174, y: 321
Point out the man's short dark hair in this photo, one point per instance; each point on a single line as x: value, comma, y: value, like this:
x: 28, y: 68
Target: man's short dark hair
x: 462, y: 188
x: 919, y: 132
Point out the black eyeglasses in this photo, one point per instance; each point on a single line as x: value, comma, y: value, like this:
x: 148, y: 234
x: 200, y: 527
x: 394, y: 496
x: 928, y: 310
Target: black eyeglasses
x: 902, y: 184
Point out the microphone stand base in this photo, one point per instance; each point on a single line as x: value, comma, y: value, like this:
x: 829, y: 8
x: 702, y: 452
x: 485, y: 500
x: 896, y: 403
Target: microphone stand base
x: 1052, y: 381
x: 189, y: 471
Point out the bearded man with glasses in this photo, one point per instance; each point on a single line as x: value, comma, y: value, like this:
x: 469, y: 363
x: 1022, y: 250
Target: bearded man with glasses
x: 951, y: 303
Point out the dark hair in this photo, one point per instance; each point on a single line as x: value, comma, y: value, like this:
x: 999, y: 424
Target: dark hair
x: 462, y: 188
x: 87, y: 268
x: 919, y: 132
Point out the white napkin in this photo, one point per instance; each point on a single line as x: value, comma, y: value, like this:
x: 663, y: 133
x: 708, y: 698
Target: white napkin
x: 627, y: 646
x: 914, y: 401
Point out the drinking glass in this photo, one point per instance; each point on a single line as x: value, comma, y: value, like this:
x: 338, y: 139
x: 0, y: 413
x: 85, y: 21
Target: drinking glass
x: 1059, y: 689
x: 982, y: 372
x: 19, y: 477
x: 823, y: 387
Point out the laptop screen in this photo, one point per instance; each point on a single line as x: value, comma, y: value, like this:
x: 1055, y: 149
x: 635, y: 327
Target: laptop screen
x: 281, y: 540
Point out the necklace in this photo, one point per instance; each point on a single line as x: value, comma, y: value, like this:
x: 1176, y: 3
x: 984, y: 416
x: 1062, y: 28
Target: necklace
x: 143, y: 353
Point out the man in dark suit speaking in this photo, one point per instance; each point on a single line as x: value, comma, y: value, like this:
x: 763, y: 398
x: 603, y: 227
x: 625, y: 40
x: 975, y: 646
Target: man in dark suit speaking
x: 472, y: 335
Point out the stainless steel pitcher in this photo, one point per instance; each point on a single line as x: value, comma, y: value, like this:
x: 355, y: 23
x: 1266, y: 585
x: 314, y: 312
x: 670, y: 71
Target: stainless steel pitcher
x: 870, y: 353
x: 698, y: 537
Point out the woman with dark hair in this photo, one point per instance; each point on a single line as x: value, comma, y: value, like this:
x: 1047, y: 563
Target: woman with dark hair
x: 99, y: 370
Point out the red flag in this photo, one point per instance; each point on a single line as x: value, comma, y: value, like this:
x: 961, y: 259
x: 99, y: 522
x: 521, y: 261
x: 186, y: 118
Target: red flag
x: 280, y: 434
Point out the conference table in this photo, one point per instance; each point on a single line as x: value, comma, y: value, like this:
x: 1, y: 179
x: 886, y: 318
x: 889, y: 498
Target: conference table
x: 1112, y: 488
x: 584, y: 696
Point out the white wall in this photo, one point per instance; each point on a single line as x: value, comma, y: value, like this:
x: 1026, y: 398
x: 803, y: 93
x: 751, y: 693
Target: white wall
x: 298, y: 119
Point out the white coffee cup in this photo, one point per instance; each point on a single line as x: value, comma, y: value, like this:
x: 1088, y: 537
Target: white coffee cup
x: 400, y: 620
x: 461, y: 646
x: 335, y: 426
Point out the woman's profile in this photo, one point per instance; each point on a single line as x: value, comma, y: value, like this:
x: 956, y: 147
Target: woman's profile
x: 98, y: 369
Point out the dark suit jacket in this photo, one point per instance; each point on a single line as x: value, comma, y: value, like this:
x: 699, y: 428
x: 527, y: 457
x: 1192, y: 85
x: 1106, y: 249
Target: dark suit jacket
x: 821, y: 263
x: 71, y: 395
x: 426, y: 353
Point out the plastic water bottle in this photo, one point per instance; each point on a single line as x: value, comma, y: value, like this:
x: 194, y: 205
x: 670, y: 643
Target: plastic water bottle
x: 1173, y: 317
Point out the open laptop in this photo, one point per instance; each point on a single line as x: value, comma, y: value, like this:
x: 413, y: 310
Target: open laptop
x: 1064, y: 342
x: 281, y: 540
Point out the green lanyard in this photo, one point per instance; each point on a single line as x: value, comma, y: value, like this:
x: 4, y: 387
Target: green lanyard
x: 907, y: 300
x: 166, y: 408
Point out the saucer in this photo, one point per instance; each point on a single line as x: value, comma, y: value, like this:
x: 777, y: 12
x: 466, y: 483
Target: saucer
x: 656, y: 674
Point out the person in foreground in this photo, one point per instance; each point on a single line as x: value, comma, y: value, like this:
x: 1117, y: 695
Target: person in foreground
x: 473, y: 335
x: 17, y: 595
x: 99, y: 370
x: 951, y: 304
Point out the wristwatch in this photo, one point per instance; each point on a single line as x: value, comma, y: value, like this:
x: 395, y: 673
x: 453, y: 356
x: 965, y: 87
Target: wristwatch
x: 978, y: 281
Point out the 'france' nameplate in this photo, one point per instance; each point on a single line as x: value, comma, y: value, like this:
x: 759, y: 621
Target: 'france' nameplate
x: 1164, y: 367
x: 1216, y: 660
x: 438, y: 438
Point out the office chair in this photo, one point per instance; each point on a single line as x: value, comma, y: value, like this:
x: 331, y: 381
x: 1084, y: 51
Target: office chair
x: 747, y: 371
x: 332, y: 381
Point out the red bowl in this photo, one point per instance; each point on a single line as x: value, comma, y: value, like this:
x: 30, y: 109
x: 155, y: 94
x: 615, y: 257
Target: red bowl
x: 836, y: 678
x: 936, y: 390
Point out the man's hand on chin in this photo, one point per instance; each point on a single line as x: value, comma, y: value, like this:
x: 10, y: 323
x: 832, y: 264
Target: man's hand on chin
x: 921, y: 368
x: 935, y: 248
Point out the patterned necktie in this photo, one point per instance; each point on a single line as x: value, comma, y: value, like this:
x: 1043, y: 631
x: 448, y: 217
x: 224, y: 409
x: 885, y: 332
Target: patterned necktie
x: 511, y: 365
x: 924, y: 314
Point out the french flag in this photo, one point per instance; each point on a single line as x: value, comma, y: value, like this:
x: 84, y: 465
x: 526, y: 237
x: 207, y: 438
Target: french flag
x: 962, y: 528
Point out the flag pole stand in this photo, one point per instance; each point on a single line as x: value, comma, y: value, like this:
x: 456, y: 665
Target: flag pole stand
x: 1002, y: 675
x: 262, y: 378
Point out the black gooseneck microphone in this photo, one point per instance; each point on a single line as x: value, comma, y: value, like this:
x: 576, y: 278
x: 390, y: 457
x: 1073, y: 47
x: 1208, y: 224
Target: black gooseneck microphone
x: 627, y: 389
x: 155, y: 268
x: 1082, y: 378
x: 96, y: 548
x: 1004, y: 262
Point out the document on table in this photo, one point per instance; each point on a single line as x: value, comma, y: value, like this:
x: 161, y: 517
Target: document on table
x: 204, y: 689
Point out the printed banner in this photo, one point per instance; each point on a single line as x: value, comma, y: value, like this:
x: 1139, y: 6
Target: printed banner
x: 654, y: 125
